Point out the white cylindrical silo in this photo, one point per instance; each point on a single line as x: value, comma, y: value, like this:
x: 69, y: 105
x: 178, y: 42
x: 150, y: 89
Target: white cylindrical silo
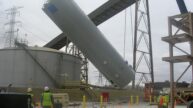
x: 87, y: 37
x: 20, y: 70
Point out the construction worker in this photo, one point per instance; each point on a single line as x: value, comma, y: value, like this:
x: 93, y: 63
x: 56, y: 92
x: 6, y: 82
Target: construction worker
x: 160, y: 100
x: 29, y: 92
x: 165, y: 100
x: 47, y: 98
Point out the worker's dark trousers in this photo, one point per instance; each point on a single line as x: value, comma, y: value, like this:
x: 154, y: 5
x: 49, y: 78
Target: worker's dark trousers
x: 162, y: 106
x: 47, y: 107
x: 159, y: 106
x: 165, y: 106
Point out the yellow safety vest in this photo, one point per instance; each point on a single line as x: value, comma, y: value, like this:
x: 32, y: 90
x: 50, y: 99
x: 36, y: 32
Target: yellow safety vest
x: 46, y: 99
x: 166, y: 100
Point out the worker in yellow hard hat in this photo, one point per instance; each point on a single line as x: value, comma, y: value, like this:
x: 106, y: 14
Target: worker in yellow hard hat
x: 30, y: 93
x: 47, y: 100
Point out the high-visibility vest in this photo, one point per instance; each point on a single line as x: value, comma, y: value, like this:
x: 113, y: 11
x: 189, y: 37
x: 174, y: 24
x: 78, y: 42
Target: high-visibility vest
x: 167, y: 98
x: 161, y: 101
x: 47, y: 99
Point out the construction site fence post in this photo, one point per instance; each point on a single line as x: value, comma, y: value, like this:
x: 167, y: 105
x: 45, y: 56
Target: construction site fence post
x: 155, y: 99
x: 137, y: 100
x: 131, y: 100
x: 101, y: 101
x: 84, y: 102
x: 150, y: 99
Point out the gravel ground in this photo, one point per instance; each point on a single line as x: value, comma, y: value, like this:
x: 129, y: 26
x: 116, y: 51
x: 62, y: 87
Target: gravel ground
x: 116, y: 105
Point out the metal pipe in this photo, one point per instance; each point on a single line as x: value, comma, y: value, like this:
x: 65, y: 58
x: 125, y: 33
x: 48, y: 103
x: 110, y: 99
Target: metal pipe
x: 182, y: 6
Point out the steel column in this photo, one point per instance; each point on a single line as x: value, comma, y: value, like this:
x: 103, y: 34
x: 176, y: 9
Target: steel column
x: 180, y: 29
x: 142, y: 16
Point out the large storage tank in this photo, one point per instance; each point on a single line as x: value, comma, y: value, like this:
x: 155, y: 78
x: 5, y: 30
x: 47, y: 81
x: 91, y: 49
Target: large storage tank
x: 89, y: 39
x: 20, y: 69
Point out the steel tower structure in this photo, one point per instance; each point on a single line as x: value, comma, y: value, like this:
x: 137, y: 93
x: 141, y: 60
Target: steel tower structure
x: 142, y: 34
x: 180, y: 30
x: 11, y: 32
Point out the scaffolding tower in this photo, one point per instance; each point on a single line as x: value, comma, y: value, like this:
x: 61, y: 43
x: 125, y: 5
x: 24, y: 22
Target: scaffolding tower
x: 180, y: 29
x: 142, y: 34
x: 72, y: 49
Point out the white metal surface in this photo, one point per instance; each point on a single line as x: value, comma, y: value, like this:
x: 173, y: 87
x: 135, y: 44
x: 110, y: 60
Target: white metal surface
x: 87, y: 37
x: 18, y: 69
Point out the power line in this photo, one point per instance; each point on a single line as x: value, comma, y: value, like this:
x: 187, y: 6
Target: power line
x: 34, y: 27
x: 125, y: 33
x: 34, y: 34
x: 28, y: 42
x: 29, y: 31
x: 132, y: 34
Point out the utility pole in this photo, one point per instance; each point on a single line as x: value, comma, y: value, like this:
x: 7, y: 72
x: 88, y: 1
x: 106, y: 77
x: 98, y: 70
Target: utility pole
x: 12, y: 12
x: 142, y: 34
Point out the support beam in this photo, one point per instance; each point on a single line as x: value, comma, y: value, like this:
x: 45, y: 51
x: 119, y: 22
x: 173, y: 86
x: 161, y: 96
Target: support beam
x: 179, y: 38
x: 109, y: 9
x: 178, y: 59
x: 182, y: 6
x: 180, y: 25
x: 58, y: 42
x: 182, y: 33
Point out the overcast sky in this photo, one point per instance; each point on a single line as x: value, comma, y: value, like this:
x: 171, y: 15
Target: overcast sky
x: 40, y: 29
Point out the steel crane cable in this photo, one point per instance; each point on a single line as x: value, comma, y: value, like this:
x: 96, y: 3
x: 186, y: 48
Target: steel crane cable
x: 125, y: 33
x: 125, y: 30
x: 132, y: 35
